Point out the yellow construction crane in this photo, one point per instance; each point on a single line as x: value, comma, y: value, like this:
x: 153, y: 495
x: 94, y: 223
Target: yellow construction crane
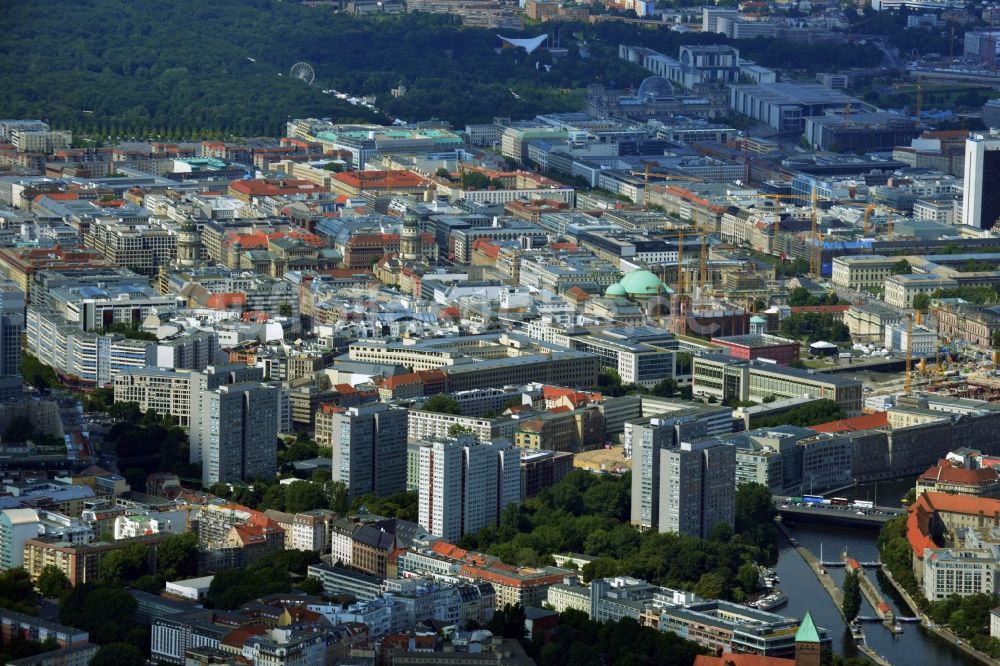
x: 779, y: 197
x: 909, y: 353
x: 870, y: 208
x: 868, y: 213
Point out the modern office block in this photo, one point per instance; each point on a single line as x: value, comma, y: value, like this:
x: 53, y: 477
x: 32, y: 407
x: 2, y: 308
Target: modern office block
x: 16, y: 527
x: 697, y: 488
x: 206, y: 381
x: 464, y: 485
x: 981, y: 196
x: 369, y: 448
x: 11, y: 327
x: 682, y: 481
x: 238, y: 433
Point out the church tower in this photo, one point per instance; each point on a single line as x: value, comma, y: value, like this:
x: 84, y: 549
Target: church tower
x: 188, y: 245
x: 808, y: 647
x: 409, y: 239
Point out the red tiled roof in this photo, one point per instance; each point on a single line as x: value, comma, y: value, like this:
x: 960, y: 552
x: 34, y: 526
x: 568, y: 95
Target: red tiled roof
x: 496, y: 575
x: 395, y: 642
x: 577, y: 398
x: 380, y: 179
x: 449, y: 550
x: 967, y: 504
x: 732, y: 659
x: 265, y: 188
x: 260, y: 239
x: 947, y: 471
x: 255, y: 317
x: 412, y: 378
x: 224, y: 301
x: 484, y: 246
x: 920, y: 514
x: 918, y: 526
x: 299, y: 614
x: 59, y: 196
x: 863, y: 422
x: 237, y: 637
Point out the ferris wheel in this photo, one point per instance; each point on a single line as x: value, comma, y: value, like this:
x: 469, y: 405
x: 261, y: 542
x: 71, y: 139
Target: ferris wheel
x: 304, y: 72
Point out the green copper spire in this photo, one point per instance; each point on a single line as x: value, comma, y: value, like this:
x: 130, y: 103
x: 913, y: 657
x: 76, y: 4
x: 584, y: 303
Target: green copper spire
x: 807, y: 631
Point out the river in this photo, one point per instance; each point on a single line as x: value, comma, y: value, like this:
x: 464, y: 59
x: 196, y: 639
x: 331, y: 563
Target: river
x: 914, y: 646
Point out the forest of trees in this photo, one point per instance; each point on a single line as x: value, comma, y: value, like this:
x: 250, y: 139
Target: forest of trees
x: 815, y: 326
x: 588, y: 514
x: 813, y: 413
x: 192, y: 70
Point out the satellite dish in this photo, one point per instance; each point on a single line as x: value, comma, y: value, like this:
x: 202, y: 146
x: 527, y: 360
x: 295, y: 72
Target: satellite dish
x: 303, y: 71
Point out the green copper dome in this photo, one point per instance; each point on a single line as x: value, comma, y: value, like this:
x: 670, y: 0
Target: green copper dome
x: 756, y: 319
x: 615, y: 290
x: 641, y: 283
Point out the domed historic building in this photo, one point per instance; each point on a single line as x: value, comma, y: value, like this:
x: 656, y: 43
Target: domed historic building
x: 639, y: 284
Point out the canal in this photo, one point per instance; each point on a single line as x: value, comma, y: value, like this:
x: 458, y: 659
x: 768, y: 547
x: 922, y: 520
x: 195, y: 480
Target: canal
x: 914, y: 646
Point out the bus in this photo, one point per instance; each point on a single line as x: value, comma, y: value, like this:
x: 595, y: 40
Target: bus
x: 840, y: 501
x: 812, y: 499
x: 864, y: 504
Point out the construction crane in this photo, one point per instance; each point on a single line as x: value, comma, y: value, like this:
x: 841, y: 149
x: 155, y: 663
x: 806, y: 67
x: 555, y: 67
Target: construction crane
x: 680, y: 263
x: 868, y: 213
x: 920, y: 100
x: 779, y: 197
x: 909, y: 354
x: 870, y: 208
